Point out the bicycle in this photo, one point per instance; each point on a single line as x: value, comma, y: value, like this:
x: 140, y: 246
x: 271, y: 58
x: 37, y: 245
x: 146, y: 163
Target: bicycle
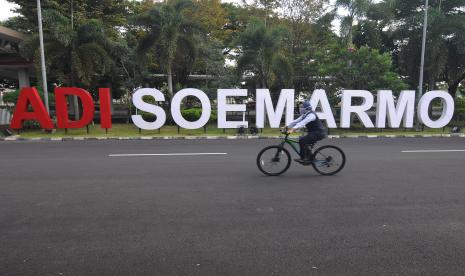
x: 276, y: 160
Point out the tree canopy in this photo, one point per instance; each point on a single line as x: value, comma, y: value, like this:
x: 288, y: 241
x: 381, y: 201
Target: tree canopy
x: 263, y: 43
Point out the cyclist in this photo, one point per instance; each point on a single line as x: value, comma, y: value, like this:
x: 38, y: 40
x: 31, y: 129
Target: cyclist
x: 315, y: 131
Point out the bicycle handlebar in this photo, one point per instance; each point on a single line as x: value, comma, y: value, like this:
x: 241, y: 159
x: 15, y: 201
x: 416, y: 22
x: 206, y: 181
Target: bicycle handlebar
x: 285, y: 131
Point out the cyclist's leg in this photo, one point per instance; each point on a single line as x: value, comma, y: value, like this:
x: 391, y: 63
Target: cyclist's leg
x: 305, y: 142
x: 317, y: 136
x: 320, y: 136
x: 302, y: 151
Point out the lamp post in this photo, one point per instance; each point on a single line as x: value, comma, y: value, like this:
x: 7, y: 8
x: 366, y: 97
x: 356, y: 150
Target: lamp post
x: 422, y: 65
x: 42, y: 57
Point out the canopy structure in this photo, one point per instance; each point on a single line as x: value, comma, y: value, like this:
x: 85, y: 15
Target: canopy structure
x: 12, y: 65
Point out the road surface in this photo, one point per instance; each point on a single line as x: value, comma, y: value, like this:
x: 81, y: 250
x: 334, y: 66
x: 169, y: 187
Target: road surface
x: 159, y: 208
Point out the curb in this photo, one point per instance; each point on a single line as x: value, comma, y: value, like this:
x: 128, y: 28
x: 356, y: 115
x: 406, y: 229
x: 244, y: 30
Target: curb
x: 243, y: 137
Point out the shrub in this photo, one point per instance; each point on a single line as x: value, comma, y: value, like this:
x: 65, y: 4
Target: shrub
x: 193, y: 114
x: 12, y: 97
x: 460, y: 106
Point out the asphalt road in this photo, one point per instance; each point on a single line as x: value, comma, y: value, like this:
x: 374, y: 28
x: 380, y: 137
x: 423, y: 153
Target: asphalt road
x: 67, y: 208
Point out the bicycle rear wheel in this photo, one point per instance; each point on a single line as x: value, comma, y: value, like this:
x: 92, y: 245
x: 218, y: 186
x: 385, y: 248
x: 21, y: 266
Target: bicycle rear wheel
x: 329, y: 160
x: 274, y: 160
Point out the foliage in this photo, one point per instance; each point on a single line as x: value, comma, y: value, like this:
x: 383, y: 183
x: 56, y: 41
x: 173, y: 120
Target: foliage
x: 363, y: 68
x: 169, y: 35
x: 210, y: 16
x: 110, y: 12
x: 12, y: 97
x: 261, y: 43
x: 356, y: 9
x: 445, y: 55
x: 79, y: 56
x: 460, y: 106
x: 194, y: 114
x: 263, y: 56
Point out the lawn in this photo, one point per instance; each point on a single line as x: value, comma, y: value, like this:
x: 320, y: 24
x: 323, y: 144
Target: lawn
x: 129, y: 130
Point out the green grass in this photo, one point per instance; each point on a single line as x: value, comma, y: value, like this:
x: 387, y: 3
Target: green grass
x: 129, y: 130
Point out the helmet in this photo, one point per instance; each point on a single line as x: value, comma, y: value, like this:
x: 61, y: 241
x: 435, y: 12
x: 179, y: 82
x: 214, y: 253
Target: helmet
x: 307, y: 106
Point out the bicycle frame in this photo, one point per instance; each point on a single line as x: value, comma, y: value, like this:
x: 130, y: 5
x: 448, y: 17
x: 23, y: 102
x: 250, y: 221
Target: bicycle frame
x: 294, y: 144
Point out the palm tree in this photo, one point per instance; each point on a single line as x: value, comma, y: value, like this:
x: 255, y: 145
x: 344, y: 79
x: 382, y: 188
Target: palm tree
x: 262, y: 54
x: 167, y: 32
x: 75, y: 56
x: 356, y: 9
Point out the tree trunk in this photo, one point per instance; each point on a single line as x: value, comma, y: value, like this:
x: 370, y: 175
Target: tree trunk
x: 453, y: 89
x: 350, y: 39
x: 170, y: 81
x: 431, y: 85
x: 263, y: 83
x: 350, y: 34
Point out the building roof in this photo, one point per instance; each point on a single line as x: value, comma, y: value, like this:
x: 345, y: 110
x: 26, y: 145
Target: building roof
x: 10, y: 58
x: 11, y: 35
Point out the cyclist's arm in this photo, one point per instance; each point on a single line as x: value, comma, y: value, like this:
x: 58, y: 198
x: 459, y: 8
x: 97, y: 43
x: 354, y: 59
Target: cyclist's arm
x: 295, y: 122
x: 302, y: 123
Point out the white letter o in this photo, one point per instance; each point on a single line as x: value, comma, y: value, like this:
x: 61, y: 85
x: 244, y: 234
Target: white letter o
x: 176, y: 108
x: 447, y: 111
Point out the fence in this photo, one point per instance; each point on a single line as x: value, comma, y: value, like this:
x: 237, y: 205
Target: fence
x: 5, y: 119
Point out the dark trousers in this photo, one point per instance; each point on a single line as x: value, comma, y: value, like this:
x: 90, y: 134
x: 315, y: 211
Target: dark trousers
x: 306, y: 140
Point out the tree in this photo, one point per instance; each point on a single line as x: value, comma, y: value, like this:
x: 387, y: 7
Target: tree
x: 362, y: 68
x: 111, y: 16
x: 300, y: 16
x: 210, y: 16
x: 17, y: 23
x: 110, y: 12
x: 168, y: 34
x: 267, y: 6
x: 301, y: 11
x: 445, y: 53
x: 75, y: 57
x: 454, y: 71
x: 262, y: 54
x: 238, y: 18
x: 357, y: 9
x: 308, y: 33
x: 210, y: 62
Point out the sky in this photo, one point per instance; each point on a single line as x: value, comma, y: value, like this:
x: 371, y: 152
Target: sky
x: 5, y: 10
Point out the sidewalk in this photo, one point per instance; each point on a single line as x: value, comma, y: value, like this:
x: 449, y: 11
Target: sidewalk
x: 229, y: 137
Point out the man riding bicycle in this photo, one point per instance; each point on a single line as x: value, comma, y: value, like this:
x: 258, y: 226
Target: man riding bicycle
x: 315, y: 131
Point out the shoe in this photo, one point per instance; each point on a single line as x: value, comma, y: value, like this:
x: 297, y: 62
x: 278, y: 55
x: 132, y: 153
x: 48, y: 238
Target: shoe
x: 299, y: 160
x: 304, y: 162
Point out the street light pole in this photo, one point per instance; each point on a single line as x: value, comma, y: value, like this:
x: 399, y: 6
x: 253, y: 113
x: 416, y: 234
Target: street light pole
x: 422, y: 65
x: 42, y: 57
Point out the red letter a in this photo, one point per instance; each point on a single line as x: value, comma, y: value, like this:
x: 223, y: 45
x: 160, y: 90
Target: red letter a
x: 29, y: 95
x: 62, y: 111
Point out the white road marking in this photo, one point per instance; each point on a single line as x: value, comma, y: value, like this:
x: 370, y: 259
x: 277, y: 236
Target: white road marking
x: 431, y: 151
x: 167, y: 154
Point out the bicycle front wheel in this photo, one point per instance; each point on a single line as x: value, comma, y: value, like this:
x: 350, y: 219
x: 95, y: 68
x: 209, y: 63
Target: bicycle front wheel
x: 274, y: 160
x: 329, y: 160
